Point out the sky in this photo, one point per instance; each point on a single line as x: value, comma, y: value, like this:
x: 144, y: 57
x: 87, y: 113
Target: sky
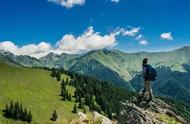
x: 37, y: 27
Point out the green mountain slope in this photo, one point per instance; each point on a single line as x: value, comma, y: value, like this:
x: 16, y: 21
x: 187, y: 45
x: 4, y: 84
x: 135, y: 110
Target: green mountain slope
x: 36, y: 90
x: 102, y: 72
x: 119, y: 67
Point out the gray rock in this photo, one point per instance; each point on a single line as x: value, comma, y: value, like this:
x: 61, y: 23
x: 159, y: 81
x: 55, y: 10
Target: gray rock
x: 146, y: 113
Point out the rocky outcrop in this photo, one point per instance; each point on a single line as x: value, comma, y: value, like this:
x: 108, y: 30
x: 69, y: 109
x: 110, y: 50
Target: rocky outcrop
x: 82, y: 116
x: 95, y: 118
x: 103, y: 119
x: 148, y: 112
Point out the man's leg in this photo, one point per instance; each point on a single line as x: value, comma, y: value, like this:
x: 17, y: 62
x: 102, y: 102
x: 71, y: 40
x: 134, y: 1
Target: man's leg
x: 149, y: 89
x: 143, y: 92
x: 145, y: 88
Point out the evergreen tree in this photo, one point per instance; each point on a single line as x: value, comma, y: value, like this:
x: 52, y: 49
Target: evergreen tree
x: 63, y: 84
x: 67, y: 80
x: 29, y: 119
x: 15, y: 111
x: 25, y: 115
x: 75, y: 109
x: 84, y: 110
x: 81, y: 104
x: 54, y: 116
x: 69, y: 97
x: 53, y: 73
x: 58, y: 76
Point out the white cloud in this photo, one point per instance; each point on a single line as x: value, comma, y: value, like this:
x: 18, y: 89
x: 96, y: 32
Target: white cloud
x: 89, y: 40
x: 130, y: 32
x: 166, y: 36
x: 31, y: 49
x: 143, y: 42
x: 140, y: 36
x: 115, y: 1
x: 68, y: 3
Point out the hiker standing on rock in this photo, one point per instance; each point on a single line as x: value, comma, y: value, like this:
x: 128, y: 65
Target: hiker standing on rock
x: 149, y: 74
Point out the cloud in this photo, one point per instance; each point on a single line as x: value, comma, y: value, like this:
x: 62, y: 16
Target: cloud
x: 143, y: 42
x: 72, y: 44
x: 87, y: 41
x: 31, y: 49
x: 166, y: 36
x: 115, y: 1
x: 131, y: 32
x: 140, y: 36
x: 68, y: 3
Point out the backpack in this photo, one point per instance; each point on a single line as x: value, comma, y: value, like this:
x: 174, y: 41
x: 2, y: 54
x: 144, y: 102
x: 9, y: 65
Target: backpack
x: 151, y: 73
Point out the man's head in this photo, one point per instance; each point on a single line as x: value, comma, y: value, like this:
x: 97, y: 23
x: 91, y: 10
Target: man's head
x: 145, y: 61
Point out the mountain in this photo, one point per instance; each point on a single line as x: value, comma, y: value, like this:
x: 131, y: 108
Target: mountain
x: 22, y: 60
x: 40, y: 93
x: 49, y: 59
x: 121, y: 68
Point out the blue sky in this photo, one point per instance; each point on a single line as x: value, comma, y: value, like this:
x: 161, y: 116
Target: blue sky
x: 26, y: 22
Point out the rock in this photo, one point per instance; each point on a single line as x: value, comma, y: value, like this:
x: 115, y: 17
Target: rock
x: 82, y: 116
x: 147, y: 113
x: 104, y: 120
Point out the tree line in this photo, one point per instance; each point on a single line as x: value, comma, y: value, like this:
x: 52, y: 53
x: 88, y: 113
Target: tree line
x: 16, y: 111
x: 100, y: 96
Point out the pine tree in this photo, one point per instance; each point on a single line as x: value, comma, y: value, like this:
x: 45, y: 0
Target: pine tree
x: 67, y: 80
x: 69, y: 97
x: 54, y: 116
x: 58, y: 76
x: 84, y: 110
x: 75, y: 109
x: 7, y: 109
x: 25, y: 115
x: 21, y: 111
x: 63, y: 84
x: 81, y: 104
x: 53, y: 73
x: 29, y: 118
x: 16, y: 111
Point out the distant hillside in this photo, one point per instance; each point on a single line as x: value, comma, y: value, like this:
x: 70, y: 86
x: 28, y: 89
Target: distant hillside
x: 15, y: 60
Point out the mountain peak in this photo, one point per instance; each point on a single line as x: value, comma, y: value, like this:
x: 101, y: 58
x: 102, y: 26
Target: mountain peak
x: 51, y: 54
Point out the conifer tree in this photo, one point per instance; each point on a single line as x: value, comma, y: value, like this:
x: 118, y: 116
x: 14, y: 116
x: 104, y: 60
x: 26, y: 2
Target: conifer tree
x: 54, y: 116
x: 75, y: 109
x: 81, y: 104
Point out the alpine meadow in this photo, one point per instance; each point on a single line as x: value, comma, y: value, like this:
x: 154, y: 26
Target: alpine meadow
x: 94, y: 62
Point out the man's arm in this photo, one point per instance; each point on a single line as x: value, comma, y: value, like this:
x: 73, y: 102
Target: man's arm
x: 143, y: 71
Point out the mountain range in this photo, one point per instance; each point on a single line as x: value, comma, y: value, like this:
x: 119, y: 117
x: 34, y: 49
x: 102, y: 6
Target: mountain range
x: 120, y: 68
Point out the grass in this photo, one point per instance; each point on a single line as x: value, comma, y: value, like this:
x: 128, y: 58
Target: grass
x: 37, y: 91
x: 168, y: 120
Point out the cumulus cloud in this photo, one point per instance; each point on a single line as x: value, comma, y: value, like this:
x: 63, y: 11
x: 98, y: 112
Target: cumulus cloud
x: 68, y: 3
x: 69, y: 43
x: 89, y: 40
x: 31, y: 49
x: 115, y: 1
x: 143, y: 42
x: 166, y: 36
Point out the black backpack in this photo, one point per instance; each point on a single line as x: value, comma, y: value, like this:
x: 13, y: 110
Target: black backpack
x: 151, y: 73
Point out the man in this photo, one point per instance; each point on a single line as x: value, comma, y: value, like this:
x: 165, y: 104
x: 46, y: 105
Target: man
x: 148, y: 74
